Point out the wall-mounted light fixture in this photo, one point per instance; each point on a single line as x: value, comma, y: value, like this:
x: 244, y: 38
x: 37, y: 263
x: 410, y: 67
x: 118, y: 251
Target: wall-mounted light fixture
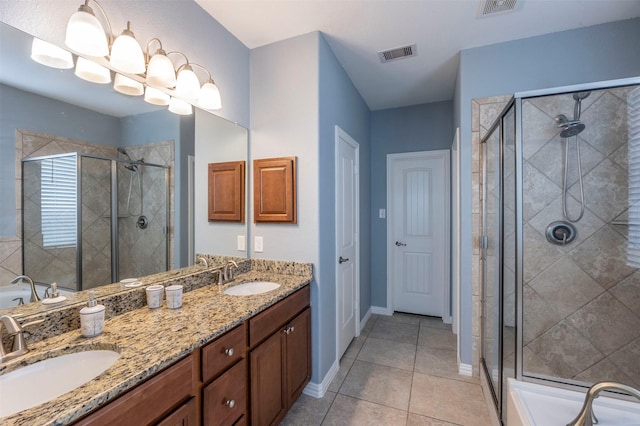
x: 137, y: 73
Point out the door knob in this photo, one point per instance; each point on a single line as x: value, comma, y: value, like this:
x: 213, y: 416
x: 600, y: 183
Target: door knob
x: 342, y: 260
x: 399, y: 244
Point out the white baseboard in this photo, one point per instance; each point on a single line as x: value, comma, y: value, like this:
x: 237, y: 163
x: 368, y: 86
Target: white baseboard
x: 318, y: 390
x: 379, y: 310
x: 364, y: 320
x: 465, y: 369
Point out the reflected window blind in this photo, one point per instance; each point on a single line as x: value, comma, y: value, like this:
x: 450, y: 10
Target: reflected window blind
x: 58, y: 202
x: 633, y: 124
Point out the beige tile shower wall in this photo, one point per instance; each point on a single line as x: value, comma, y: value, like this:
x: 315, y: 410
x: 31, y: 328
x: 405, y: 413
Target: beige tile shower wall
x: 151, y: 203
x: 581, y: 301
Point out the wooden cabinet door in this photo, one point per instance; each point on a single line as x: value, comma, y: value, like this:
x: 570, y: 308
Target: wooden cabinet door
x: 298, y: 355
x: 268, y: 399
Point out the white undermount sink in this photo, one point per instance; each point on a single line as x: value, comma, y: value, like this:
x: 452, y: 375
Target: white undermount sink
x: 251, y: 288
x: 45, y: 380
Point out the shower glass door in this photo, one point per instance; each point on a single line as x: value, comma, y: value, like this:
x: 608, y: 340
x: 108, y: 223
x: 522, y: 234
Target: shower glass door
x: 95, y: 236
x: 499, y: 255
x: 491, y: 259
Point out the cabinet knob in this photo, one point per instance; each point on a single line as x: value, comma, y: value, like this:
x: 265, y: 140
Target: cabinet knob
x: 230, y: 403
x: 292, y: 328
x: 228, y: 352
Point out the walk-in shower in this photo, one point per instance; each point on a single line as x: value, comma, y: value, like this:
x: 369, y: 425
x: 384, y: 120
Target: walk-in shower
x: 89, y: 220
x: 561, y: 237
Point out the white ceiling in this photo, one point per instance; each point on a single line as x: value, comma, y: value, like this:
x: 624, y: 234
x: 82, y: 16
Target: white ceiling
x: 357, y: 29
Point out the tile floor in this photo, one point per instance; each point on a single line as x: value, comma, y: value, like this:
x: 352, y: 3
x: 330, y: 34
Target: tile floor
x: 401, y: 370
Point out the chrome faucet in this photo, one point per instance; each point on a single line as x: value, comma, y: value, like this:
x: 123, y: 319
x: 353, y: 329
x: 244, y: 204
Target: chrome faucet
x: 19, y: 346
x: 225, y: 274
x: 34, y: 294
x: 203, y: 261
x: 586, y: 417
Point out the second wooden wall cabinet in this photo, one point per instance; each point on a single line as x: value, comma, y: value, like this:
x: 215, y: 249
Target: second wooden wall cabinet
x: 274, y: 190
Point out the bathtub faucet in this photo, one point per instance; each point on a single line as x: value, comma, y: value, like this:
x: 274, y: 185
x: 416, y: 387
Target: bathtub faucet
x: 34, y: 294
x: 586, y: 416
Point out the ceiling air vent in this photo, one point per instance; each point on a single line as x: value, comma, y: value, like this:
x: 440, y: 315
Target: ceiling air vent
x: 490, y: 7
x: 398, y: 53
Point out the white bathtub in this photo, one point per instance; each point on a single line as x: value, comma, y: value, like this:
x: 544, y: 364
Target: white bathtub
x: 530, y: 404
x: 13, y: 291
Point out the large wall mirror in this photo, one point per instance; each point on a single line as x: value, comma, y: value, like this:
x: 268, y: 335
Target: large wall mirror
x: 55, y: 124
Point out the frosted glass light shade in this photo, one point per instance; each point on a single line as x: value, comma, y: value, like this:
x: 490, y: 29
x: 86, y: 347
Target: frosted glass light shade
x: 180, y: 107
x: 160, y: 72
x: 210, y: 96
x: 155, y: 96
x: 85, y: 34
x: 50, y: 55
x: 187, y: 84
x: 127, y: 86
x: 126, y: 54
x: 90, y: 71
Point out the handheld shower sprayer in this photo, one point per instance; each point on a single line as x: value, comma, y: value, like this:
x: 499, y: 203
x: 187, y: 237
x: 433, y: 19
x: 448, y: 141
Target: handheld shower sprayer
x: 572, y: 128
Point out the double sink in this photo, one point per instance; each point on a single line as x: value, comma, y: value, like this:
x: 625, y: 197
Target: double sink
x: 45, y: 380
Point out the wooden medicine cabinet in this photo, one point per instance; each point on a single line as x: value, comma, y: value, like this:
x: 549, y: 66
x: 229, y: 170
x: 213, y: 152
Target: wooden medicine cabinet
x: 274, y: 190
x: 226, y: 192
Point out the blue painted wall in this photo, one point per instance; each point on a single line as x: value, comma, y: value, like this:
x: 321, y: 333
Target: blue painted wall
x: 601, y: 52
x: 25, y: 110
x: 424, y: 127
x: 342, y: 105
x: 293, y: 112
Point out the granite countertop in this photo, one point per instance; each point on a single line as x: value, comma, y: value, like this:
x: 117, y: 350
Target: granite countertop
x: 148, y: 341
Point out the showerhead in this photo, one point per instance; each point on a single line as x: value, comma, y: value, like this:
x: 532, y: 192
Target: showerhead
x: 572, y: 128
x: 132, y: 166
x: 124, y: 152
x: 569, y: 127
x: 577, y: 107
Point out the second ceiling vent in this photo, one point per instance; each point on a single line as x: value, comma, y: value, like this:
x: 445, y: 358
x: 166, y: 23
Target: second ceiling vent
x: 398, y: 53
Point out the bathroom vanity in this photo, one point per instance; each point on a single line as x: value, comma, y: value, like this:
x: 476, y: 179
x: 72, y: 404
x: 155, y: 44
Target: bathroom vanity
x: 220, y: 359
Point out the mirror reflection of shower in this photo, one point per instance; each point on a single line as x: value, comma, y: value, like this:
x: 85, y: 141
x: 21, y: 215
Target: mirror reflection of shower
x: 142, y: 221
x: 571, y: 129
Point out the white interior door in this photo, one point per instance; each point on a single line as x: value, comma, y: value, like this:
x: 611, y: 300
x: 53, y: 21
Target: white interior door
x: 347, y: 256
x: 418, y: 231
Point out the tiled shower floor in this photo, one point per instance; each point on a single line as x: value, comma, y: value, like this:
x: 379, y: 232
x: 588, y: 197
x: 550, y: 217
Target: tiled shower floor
x: 400, y: 371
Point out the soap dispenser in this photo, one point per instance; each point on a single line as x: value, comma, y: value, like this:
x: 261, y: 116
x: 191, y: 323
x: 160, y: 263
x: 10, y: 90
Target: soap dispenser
x: 92, y: 317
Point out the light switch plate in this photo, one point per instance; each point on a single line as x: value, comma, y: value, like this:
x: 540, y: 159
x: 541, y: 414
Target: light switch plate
x: 382, y: 213
x: 258, y: 245
x: 241, y: 243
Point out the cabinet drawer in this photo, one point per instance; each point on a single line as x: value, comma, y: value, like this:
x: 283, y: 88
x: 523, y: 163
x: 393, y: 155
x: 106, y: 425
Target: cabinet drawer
x: 225, y: 400
x: 223, y: 352
x: 151, y: 400
x: 183, y: 416
x: 274, y: 317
